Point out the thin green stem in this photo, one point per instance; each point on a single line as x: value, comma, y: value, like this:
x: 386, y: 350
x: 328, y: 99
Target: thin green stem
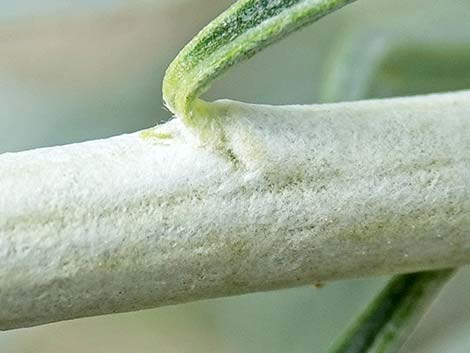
x: 245, y: 28
x: 394, y: 314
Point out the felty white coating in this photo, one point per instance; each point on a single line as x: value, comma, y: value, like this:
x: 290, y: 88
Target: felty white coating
x: 290, y: 195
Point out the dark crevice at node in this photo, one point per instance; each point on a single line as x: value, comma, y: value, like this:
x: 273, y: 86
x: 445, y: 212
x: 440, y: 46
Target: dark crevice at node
x: 232, y: 157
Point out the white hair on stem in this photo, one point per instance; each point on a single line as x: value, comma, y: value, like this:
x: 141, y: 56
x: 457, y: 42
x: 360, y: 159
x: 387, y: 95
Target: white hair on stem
x: 289, y: 195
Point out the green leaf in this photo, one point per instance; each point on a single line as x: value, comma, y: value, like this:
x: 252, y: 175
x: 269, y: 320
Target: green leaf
x: 394, y: 314
x: 238, y: 33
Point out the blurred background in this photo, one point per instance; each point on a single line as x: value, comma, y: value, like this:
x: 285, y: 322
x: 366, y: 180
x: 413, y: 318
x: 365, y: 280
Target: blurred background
x: 72, y: 71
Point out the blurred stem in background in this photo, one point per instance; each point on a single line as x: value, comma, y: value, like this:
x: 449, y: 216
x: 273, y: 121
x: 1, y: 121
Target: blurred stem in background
x: 394, y: 314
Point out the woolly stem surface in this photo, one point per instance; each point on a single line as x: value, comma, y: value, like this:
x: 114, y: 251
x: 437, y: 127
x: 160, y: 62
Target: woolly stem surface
x: 278, y: 197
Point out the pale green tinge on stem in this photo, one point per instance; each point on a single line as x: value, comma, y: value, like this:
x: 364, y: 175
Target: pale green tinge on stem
x: 394, y: 314
x: 238, y: 33
x: 324, y: 192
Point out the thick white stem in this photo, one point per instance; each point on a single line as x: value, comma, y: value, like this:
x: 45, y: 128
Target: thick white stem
x: 290, y: 195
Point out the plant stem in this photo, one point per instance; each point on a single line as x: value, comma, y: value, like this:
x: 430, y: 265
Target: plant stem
x: 394, y: 314
x: 299, y: 194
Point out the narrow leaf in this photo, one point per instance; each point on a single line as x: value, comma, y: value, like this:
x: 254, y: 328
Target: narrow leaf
x: 394, y: 314
x: 241, y: 31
